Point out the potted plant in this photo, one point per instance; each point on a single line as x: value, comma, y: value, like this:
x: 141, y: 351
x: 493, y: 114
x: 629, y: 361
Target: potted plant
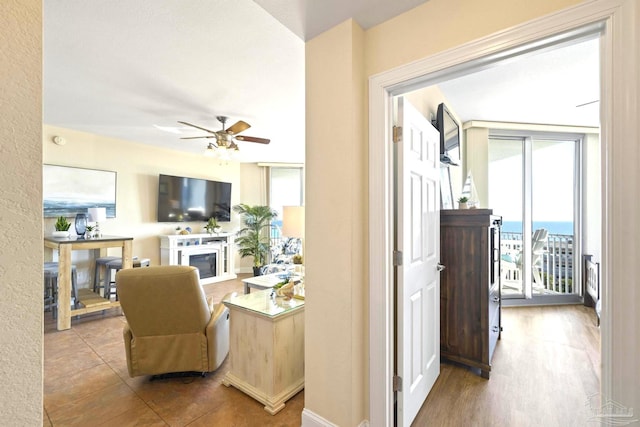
x: 253, y: 237
x: 89, y: 232
x: 462, y: 202
x: 212, y: 225
x: 62, y: 227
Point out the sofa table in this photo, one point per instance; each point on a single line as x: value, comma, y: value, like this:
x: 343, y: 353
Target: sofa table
x: 266, y: 347
x: 64, y: 246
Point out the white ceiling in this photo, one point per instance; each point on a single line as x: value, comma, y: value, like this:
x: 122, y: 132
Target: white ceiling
x: 549, y: 87
x: 120, y: 68
x: 131, y: 70
x: 309, y: 18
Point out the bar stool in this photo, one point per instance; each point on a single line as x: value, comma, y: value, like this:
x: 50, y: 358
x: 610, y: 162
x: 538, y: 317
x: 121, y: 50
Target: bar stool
x: 117, y: 266
x: 51, y: 287
x: 101, y: 271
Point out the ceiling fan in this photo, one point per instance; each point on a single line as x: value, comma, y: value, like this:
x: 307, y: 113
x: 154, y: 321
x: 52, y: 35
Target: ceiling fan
x: 224, y: 138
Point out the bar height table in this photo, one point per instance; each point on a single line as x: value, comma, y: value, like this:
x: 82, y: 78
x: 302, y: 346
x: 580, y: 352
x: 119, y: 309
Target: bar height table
x: 64, y: 246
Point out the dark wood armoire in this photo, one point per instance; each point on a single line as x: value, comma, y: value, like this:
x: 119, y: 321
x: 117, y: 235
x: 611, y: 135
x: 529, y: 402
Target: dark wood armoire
x: 470, y: 301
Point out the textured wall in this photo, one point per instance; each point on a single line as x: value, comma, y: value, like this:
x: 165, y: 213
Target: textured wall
x: 21, y: 212
x: 336, y: 224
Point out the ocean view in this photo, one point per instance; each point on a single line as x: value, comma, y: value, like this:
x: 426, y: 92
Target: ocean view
x: 553, y: 227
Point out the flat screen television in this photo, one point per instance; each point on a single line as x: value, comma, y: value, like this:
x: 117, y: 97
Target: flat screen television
x: 449, y: 136
x: 183, y: 199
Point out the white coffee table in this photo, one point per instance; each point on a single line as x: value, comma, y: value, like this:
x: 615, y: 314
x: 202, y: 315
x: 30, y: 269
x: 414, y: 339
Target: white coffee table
x: 267, y: 281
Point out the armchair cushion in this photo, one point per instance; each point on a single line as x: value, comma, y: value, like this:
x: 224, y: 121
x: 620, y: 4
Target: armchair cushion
x: 168, y: 322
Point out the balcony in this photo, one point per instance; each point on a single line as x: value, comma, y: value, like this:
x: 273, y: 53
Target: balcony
x: 552, y: 265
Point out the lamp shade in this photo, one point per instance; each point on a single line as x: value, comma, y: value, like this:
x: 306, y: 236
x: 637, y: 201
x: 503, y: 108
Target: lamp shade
x: 97, y: 214
x: 293, y: 221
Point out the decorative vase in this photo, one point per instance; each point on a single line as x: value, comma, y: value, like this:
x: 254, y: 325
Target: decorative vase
x: 60, y: 234
x: 81, y: 224
x: 462, y: 205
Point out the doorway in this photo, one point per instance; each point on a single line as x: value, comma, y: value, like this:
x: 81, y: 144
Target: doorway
x: 578, y: 21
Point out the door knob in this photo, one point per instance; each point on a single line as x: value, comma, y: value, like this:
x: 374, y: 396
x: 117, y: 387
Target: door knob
x: 440, y: 267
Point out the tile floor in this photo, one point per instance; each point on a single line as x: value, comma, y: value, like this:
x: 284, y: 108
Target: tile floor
x: 546, y: 367
x: 86, y: 383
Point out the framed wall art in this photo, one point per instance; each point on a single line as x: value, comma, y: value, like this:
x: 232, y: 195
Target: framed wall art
x: 68, y: 190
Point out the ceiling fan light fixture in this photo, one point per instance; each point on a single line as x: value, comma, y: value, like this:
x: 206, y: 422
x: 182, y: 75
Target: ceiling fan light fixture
x: 210, y: 151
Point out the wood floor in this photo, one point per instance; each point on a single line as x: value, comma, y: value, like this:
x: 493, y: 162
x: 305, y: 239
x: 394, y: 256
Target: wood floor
x: 545, y: 372
x: 544, y: 369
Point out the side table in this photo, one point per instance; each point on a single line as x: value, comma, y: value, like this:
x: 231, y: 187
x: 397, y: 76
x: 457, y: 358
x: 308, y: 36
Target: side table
x: 266, y: 348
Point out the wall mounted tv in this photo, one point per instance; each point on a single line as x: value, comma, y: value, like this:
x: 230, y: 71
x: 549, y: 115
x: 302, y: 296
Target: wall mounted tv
x: 182, y: 199
x: 449, y: 136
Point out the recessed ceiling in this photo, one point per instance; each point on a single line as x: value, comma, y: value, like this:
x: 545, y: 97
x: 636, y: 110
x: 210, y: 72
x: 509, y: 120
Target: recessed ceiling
x: 309, y: 18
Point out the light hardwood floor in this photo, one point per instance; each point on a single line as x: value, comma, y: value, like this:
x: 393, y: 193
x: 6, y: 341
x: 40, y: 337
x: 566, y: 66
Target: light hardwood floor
x: 544, y: 369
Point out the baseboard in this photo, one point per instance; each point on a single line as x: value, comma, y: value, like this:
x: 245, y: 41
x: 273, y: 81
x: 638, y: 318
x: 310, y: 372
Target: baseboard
x: 310, y: 419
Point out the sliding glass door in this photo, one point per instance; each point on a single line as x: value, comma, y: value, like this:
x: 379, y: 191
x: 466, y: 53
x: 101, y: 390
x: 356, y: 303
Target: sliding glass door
x: 534, y: 185
x: 506, y: 197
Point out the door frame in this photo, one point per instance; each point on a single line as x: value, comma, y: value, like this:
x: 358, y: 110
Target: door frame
x: 617, y: 20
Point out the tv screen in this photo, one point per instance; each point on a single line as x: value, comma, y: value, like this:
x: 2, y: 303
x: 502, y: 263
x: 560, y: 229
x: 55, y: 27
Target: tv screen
x: 182, y: 199
x: 449, y: 136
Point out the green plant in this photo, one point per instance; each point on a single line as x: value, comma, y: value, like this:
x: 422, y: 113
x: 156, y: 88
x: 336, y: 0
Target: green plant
x: 463, y: 199
x: 253, y: 237
x: 62, y: 224
x: 212, y: 224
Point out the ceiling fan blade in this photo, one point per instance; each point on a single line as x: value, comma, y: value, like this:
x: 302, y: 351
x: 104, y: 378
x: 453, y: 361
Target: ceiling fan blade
x: 238, y: 127
x: 197, y: 127
x: 253, y: 139
x: 198, y: 137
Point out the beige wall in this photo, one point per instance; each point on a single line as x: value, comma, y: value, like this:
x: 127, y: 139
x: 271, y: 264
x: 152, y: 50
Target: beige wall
x: 336, y: 223
x: 477, y: 162
x: 336, y: 263
x: 137, y: 166
x: 21, y: 213
x: 438, y: 25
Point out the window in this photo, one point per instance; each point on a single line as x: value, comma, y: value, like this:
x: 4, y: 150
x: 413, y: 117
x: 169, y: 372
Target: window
x: 286, y: 188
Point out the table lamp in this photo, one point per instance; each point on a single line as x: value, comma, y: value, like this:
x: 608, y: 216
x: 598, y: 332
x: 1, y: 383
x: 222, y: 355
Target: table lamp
x: 293, y: 223
x: 96, y: 215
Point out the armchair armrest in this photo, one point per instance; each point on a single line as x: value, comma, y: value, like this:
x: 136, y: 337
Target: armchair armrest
x: 217, y: 332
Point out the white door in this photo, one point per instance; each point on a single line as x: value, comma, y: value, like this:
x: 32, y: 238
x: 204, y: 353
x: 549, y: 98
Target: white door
x: 418, y: 280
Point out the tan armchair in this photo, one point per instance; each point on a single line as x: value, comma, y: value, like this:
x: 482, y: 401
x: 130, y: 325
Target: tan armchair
x: 170, y: 326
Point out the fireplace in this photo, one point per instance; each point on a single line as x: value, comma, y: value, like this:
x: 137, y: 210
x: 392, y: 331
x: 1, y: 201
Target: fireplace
x: 206, y: 258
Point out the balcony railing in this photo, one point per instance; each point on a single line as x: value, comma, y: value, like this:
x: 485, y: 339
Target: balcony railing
x: 554, y: 265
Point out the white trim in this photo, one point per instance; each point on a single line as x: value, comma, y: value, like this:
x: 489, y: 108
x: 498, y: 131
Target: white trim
x: 517, y: 40
x: 311, y: 419
x: 529, y: 127
x: 281, y: 165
